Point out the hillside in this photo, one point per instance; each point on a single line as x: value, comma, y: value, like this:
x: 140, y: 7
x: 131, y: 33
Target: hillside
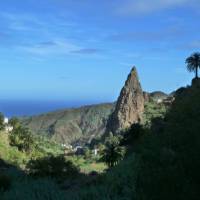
x: 71, y: 125
x: 169, y: 165
x: 164, y: 164
x: 79, y: 126
x: 158, y: 95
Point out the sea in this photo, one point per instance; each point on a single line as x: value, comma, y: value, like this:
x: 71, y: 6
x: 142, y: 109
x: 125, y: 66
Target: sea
x: 21, y: 108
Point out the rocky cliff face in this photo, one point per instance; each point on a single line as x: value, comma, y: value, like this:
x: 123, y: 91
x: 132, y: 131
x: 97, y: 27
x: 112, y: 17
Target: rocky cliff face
x: 130, y: 104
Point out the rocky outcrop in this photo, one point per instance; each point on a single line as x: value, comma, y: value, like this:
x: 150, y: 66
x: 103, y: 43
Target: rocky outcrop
x: 129, y: 106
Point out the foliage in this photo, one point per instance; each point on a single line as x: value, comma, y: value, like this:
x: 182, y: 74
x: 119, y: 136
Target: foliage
x: 164, y: 165
x: 152, y: 111
x: 113, y: 152
x: 52, y: 166
x: 132, y: 135
x: 193, y: 63
x: 169, y: 160
x: 25, y: 188
x: 14, y: 122
x: 10, y: 154
x: 22, y: 138
x: 87, y: 153
x: 1, y: 122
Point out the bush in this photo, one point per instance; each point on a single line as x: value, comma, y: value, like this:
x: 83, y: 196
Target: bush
x: 2, y: 126
x: 22, y: 138
x: 133, y: 134
x: 14, y: 122
x: 52, y: 166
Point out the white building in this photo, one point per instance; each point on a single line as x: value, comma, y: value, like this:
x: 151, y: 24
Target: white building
x: 8, y: 128
x: 96, y: 152
x: 6, y: 120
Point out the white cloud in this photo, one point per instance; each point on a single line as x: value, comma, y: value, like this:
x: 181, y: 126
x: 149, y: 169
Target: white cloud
x: 31, y: 22
x: 142, y: 7
x: 57, y: 47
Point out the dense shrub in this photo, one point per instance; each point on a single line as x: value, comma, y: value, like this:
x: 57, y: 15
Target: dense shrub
x: 169, y: 161
x: 133, y: 134
x: 22, y: 138
x: 14, y: 122
x: 52, y: 166
x: 1, y: 122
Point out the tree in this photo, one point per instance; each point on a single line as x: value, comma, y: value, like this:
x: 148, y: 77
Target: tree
x: 133, y: 134
x: 2, y: 126
x: 193, y: 63
x: 52, y: 166
x: 87, y: 153
x: 113, y: 152
x: 14, y: 122
x: 22, y: 138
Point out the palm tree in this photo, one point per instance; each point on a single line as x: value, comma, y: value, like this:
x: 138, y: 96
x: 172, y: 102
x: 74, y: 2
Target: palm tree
x: 193, y: 63
x: 113, y: 152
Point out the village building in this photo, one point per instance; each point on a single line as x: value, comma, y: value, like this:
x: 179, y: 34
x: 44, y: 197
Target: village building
x: 8, y: 128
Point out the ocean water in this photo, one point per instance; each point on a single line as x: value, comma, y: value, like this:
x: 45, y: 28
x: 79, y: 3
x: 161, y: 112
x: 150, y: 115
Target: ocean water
x: 21, y: 108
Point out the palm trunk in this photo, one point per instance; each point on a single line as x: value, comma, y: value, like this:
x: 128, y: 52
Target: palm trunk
x: 196, y: 72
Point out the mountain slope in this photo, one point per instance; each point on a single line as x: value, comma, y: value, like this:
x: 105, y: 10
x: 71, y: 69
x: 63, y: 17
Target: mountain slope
x: 158, y: 95
x: 169, y: 166
x: 71, y: 125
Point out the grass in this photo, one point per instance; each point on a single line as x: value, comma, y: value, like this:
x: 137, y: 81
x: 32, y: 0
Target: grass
x: 9, y: 154
x: 88, y: 165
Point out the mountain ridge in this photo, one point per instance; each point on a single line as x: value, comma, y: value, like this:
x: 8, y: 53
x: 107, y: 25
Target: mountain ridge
x: 81, y: 125
x: 71, y: 125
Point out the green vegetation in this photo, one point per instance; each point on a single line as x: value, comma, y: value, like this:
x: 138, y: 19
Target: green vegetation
x: 11, y: 155
x: 1, y: 121
x: 153, y: 110
x: 52, y: 166
x: 22, y: 139
x: 113, y: 152
x: 14, y: 122
x: 161, y: 161
x: 169, y: 166
x: 193, y: 63
x: 162, y: 164
x: 88, y: 165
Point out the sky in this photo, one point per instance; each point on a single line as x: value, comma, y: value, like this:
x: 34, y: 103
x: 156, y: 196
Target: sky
x: 83, y: 50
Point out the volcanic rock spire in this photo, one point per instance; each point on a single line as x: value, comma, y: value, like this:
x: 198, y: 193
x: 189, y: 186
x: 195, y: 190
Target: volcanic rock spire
x: 129, y: 106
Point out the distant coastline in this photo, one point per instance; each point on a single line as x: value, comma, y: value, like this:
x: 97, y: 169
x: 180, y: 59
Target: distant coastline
x: 21, y: 108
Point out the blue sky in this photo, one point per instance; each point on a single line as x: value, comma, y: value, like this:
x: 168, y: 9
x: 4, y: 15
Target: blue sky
x: 83, y: 50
